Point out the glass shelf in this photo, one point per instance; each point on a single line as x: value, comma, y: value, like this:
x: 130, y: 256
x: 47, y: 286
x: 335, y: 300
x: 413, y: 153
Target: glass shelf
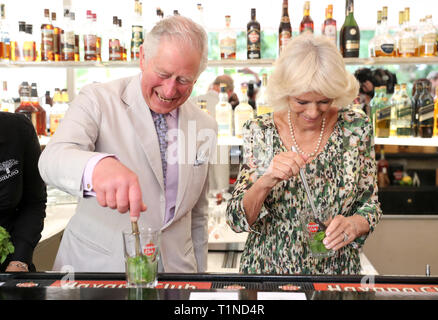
x: 214, y: 63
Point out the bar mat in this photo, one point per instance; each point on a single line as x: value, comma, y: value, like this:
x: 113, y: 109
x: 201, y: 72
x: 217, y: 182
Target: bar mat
x: 236, y: 285
x: 287, y: 286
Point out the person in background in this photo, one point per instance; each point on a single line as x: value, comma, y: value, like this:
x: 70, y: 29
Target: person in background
x: 22, y: 191
x: 133, y: 144
x: 311, y: 92
x: 433, y: 78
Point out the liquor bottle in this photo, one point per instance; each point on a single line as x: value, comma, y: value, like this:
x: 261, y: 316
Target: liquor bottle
x: 40, y: 114
x: 374, y: 106
x: 114, y: 53
x: 5, y: 41
x: 349, y: 37
x: 417, y: 91
x: 58, y: 111
x: 253, y: 37
x: 67, y: 38
x: 408, y: 41
x: 227, y: 41
x: 98, y: 38
x: 262, y: 103
x: 394, y: 102
x: 242, y: 113
x: 7, y: 103
x: 399, y: 32
x: 224, y: 114
x: 26, y: 108
x: 435, y: 114
x: 383, y: 115
x: 77, y: 56
x: 18, y: 43
x: 202, y: 104
x: 404, y: 114
x: 375, y: 40
x: 306, y: 24
x: 123, y: 46
x: 47, y: 106
x: 427, y: 43
x: 386, y: 44
x: 90, y: 53
x: 29, y: 46
x: 285, y: 29
x: 56, y: 38
x: 47, y: 36
x: 329, y: 26
x: 137, y: 31
x: 425, y: 112
x: 382, y: 170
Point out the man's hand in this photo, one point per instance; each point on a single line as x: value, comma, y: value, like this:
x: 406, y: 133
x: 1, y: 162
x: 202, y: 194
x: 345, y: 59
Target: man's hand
x: 117, y: 187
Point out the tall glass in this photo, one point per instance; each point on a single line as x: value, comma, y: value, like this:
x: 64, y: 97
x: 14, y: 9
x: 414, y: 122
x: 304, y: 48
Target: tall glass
x: 314, y: 233
x: 141, y: 258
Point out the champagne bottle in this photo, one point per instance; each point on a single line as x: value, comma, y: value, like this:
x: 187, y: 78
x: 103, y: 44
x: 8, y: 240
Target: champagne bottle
x: 349, y: 39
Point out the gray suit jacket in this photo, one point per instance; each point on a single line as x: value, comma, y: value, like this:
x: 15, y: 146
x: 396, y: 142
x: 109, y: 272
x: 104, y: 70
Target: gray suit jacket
x: 114, y: 118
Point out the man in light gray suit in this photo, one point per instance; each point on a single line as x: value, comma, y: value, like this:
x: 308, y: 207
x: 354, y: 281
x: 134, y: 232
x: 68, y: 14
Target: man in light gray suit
x: 138, y: 145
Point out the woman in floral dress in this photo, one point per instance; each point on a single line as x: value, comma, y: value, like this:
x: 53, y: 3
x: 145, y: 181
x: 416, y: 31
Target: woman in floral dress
x: 310, y: 90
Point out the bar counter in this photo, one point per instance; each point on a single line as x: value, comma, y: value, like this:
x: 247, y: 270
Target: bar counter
x: 212, y: 286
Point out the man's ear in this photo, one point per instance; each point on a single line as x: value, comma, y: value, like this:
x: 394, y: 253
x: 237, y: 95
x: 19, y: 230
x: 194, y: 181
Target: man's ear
x: 142, y: 59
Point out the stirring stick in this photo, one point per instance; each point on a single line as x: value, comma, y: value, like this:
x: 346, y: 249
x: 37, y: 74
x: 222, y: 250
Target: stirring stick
x: 309, y: 196
x: 136, y: 233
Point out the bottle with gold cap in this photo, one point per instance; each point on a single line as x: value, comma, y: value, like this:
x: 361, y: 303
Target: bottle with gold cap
x: 408, y: 41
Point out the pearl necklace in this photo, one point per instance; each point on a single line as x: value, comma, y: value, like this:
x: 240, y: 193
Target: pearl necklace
x: 291, y: 130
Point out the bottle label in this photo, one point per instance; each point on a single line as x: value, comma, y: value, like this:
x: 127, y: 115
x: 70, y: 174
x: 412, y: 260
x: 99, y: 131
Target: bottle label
x: 384, y: 114
x: 68, y: 42
x: 425, y: 114
x: 137, y: 38
x: 404, y: 113
x: 387, y: 48
x: 89, y: 44
x: 407, y: 45
x: 284, y: 38
x: 330, y: 32
x: 47, y: 39
x: 253, y: 44
x: 352, y: 45
x: 254, y: 37
x: 55, y: 120
x: 228, y: 48
x: 114, y: 49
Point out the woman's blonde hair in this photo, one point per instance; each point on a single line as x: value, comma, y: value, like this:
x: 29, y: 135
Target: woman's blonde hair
x: 311, y: 64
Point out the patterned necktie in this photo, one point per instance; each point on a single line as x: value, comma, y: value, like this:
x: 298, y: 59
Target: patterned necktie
x: 161, y: 127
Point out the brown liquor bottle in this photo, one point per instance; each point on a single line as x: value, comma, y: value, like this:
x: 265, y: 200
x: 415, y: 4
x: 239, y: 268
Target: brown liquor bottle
x: 115, y: 51
x: 306, y: 24
x: 329, y: 26
x: 26, y: 108
x: 68, y: 38
x: 90, y: 39
x: 349, y: 38
x: 253, y: 37
x: 41, y: 120
x: 47, y: 35
x: 56, y: 39
x: 5, y: 45
x: 285, y: 29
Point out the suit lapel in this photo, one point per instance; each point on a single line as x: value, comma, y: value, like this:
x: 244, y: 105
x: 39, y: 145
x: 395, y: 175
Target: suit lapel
x: 186, y: 153
x: 141, y: 119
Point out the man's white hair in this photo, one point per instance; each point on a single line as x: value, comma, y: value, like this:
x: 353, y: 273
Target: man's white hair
x: 178, y: 28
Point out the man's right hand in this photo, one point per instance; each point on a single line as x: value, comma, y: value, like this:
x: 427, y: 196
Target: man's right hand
x: 117, y: 187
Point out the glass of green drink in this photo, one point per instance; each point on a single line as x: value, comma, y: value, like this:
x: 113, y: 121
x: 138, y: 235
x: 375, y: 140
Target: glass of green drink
x: 314, y: 233
x: 141, y: 257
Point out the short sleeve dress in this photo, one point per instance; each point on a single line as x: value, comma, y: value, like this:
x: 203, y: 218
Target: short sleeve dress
x: 342, y: 178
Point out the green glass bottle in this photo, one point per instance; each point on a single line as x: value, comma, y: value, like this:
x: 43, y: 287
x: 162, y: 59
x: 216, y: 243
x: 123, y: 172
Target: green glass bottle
x: 349, y: 38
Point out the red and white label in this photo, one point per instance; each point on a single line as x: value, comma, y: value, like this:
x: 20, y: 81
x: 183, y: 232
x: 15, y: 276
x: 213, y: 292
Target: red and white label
x: 149, y: 249
x: 312, y: 227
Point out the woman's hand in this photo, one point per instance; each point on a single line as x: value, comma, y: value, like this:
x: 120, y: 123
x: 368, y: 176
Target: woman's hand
x: 343, y: 230
x: 283, y: 166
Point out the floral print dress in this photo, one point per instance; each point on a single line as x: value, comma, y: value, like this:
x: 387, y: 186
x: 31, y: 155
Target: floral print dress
x: 342, y: 179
